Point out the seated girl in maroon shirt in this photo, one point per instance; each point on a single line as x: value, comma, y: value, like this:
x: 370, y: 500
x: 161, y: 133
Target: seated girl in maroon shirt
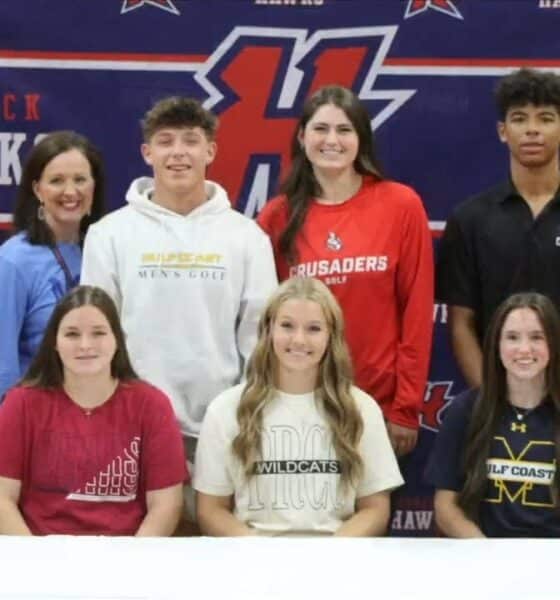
x: 85, y: 447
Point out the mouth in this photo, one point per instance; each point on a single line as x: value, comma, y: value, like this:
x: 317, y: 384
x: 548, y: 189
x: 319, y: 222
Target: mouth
x: 70, y: 204
x: 298, y: 353
x: 178, y: 168
x: 531, y: 147
x: 331, y: 152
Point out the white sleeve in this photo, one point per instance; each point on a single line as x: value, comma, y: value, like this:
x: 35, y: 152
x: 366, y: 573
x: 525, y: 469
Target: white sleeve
x: 99, y: 264
x: 213, y: 457
x: 260, y: 282
x: 381, y: 470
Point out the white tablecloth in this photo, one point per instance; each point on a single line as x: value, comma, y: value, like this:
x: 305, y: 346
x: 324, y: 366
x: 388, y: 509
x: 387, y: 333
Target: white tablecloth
x: 82, y: 568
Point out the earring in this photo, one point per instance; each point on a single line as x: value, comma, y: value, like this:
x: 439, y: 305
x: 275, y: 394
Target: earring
x: 41, y: 212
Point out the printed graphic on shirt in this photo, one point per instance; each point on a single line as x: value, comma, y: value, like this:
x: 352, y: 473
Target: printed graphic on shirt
x: 336, y: 270
x: 334, y: 242
x: 179, y: 265
x: 118, y: 482
x: 98, y: 467
x: 304, y: 473
x: 524, y: 477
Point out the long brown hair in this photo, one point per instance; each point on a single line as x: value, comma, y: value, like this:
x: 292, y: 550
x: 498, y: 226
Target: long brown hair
x: 46, y: 369
x: 300, y: 185
x: 333, y: 386
x: 492, y: 399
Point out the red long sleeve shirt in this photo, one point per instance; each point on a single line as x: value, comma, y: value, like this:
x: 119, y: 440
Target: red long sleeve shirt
x: 375, y: 253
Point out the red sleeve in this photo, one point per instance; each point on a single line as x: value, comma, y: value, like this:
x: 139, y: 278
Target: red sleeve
x: 12, y: 435
x: 415, y: 295
x: 163, y: 454
x: 273, y: 219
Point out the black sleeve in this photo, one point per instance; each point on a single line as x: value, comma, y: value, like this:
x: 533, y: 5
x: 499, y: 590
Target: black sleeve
x: 456, y: 269
x: 444, y: 470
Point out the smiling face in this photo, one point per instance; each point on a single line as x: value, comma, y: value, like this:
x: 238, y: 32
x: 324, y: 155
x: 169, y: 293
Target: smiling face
x: 523, y: 346
x: 330, y: 140
x: 299, y: 339
x: 532, y: 134
x: 65, y: 189
x: 179, y: 158
x: 85, y: 343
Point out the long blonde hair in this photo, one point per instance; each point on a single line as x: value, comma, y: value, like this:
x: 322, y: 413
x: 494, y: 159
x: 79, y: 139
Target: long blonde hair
x: 333, y: 382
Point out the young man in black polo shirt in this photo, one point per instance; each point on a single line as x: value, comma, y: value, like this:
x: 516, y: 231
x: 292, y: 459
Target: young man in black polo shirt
x: 506, y: 239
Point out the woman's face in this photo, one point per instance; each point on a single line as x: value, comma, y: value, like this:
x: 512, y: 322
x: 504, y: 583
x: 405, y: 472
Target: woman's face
x: 299, y: 337
x: 65, y: 190
x: 85, y: 343
x: 329, y: 140
x: 523, y: 346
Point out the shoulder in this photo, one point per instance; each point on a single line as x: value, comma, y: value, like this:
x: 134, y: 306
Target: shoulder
x: 274, y: 213
x: 366, y: 404
x: 22, y: 397
x: 112, y: 220
x: 478, y: 206
x: 139, y: 390
x: 227, y: 401
x: 399, y: 197
x: 18, y: 249
x: 458, y: 412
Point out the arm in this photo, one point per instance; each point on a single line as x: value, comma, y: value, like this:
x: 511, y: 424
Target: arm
x: 451, y: 519
x: 215, y: 517
x: 465, y: 344
x: 415, y: 297
x: 14, y: 301
x: 163, y: 466
x: 99, y: 264
x: 164, y: 510
x: 260, y: 282
x: 11, y: 519
x: 370, y: 519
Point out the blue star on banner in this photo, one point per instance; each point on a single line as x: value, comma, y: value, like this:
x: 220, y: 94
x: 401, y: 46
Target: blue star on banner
x: 167, y: 5
x: 415, y: 7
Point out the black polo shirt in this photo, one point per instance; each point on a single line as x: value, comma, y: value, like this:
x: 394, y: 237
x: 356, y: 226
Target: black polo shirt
x: 492, y: 247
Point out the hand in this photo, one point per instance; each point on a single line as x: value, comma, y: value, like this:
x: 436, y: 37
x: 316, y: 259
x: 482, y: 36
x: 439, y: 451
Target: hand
x: 403, y: 439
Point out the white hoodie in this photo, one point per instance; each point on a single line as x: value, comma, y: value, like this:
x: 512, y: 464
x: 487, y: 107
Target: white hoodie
x: 189, y: 289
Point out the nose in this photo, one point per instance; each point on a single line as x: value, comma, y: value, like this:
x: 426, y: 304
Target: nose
x: 533, y: 126
x: 332, y: 137
x: 85, y: 341
x: 299, y: 336
x: 524, y: 345
x: 69, y: 188
x: 179, y: 148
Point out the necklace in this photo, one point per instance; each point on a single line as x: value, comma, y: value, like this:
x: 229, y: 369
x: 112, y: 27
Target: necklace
x: 520, y: 413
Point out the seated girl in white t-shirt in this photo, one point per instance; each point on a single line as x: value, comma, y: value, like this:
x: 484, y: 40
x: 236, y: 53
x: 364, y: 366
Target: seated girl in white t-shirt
x: 296, y: 450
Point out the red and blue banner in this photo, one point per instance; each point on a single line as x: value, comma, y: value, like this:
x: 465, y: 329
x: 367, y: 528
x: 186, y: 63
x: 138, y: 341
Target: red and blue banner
x: 426, y: 70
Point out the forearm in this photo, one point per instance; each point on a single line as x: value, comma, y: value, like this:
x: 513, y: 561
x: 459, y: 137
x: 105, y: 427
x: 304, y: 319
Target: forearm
x: 160, y: 521
x: 220, y: 522
x: 364, y: 523
x: 11, y: 519
x: 465, y: 344
x: 451, y: 519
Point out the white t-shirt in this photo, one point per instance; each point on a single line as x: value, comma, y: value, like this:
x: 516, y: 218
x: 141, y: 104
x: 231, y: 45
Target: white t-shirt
x: 295, y: 488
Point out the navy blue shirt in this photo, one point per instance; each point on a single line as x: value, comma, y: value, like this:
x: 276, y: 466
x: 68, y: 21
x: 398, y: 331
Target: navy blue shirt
x: 521, y: 466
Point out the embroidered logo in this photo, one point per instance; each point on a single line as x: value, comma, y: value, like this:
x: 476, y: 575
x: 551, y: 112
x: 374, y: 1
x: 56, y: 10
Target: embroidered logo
x: 334, y: 242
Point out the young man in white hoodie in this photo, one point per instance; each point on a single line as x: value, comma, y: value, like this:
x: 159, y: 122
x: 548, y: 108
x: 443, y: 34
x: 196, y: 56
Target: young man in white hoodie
x: 188, y: 273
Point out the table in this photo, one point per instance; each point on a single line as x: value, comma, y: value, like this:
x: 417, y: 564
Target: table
x: 90, y: 568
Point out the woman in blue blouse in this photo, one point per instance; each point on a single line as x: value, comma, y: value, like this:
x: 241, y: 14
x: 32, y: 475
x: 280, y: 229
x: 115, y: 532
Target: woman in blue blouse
x: 61, y: 192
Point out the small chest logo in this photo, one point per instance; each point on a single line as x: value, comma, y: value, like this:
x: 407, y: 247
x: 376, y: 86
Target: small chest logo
x: 334, y: 242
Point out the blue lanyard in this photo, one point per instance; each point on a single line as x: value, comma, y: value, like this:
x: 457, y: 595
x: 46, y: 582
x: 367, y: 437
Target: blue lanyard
x: 67, y: 273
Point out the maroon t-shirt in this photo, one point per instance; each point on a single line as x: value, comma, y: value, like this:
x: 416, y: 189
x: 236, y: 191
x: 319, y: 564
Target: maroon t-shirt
x: 87, y: 472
